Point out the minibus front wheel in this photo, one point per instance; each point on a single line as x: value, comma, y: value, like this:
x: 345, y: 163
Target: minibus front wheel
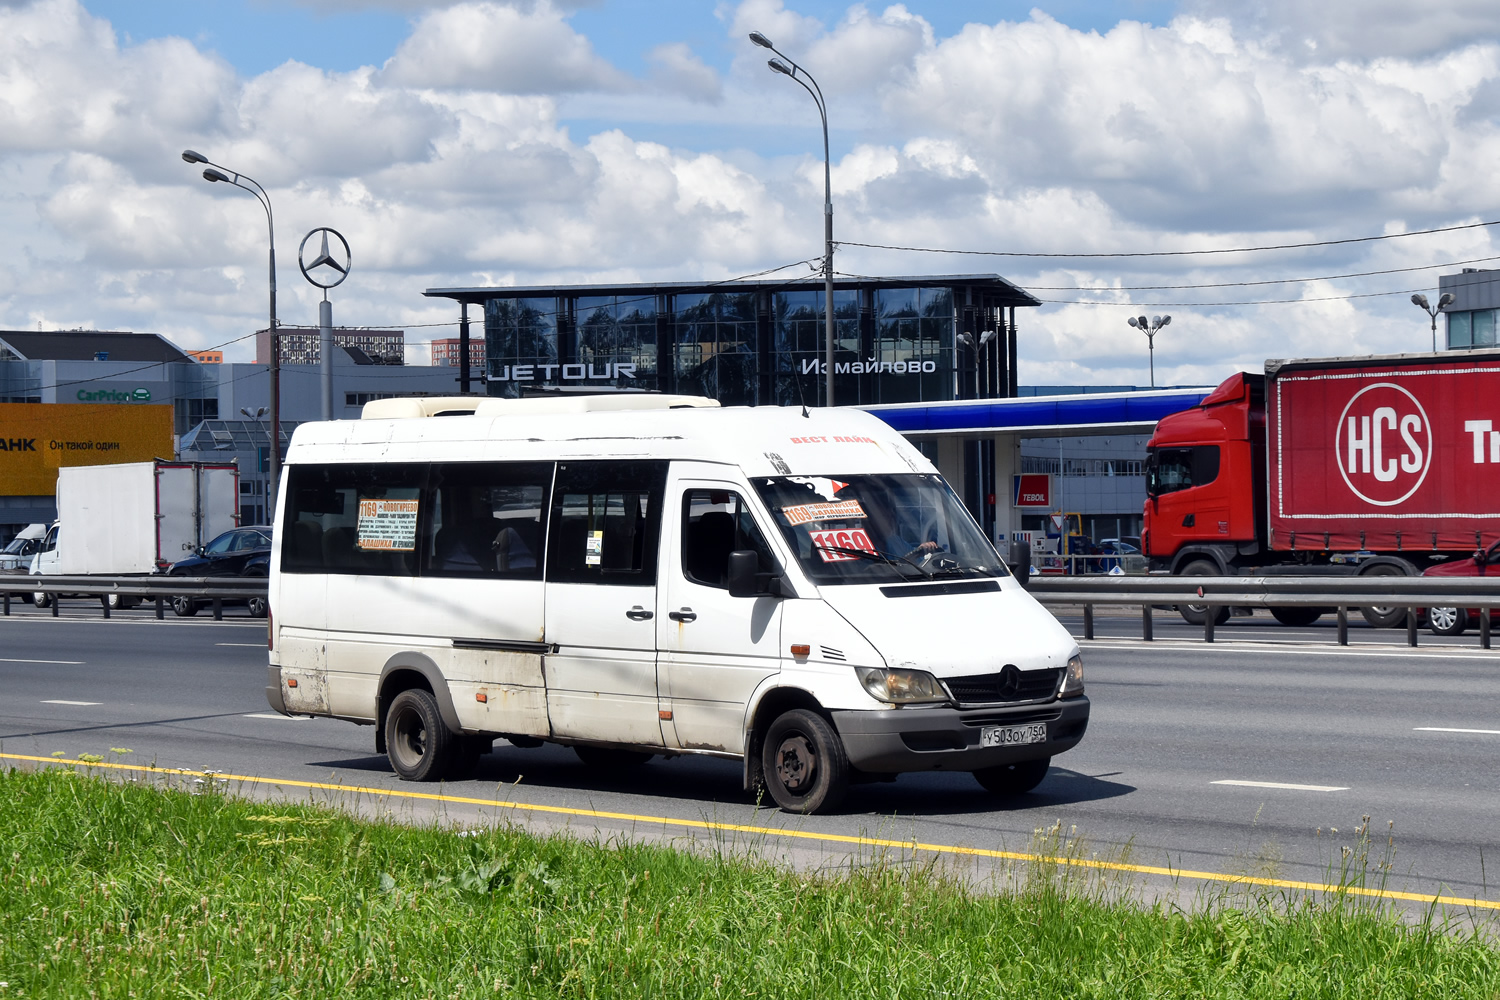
x: 417, y: 742
x: 803, y: 762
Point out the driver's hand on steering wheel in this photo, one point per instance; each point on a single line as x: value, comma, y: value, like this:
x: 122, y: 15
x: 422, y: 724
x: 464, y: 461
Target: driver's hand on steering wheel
x: 928, y: 547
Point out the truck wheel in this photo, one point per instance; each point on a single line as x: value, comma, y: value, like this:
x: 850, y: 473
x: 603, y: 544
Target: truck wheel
x: 1194, y: 614
x: 1384, y: 617
x: 1013, y: 779
x: 803, y: 760
x: 1297, y: 617
x: 1447, y: 621
x: 417, y: 742
x: 611, y: 760
x: 41, y: 600
x: 119, y: 602
x: 184, y: 607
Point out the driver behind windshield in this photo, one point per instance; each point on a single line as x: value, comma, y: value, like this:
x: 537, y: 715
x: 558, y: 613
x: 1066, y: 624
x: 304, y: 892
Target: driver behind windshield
x: 877, y: 527
x: 892, y: 535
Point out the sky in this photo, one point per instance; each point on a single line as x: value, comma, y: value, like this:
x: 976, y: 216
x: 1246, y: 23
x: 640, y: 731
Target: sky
x: 541, y: 141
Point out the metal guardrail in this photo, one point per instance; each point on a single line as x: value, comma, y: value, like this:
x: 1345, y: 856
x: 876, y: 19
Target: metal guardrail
x: 1339, y: 593
x: 1088, y: 565
x: 215, y: 589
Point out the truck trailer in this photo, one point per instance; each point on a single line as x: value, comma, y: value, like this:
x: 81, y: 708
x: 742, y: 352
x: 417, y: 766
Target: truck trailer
x: 136, y: 517
x: 1378, y: 465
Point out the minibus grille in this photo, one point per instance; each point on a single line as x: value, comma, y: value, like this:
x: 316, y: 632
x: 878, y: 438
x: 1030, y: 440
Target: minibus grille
x: 1008, y: 686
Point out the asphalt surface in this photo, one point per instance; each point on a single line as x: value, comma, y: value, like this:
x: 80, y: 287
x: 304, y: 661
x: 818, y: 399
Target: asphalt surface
x: 1375, y: 729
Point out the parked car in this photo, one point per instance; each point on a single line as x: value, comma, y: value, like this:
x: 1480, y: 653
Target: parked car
x: 16, y: 556
x: 239, y: 552
x: 1453, y: 621
x: 1121, y: 555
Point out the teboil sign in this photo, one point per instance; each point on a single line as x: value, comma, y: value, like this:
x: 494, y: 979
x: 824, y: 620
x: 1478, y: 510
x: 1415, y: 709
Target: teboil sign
x: 1378, y: 450
x: 1032, y: 490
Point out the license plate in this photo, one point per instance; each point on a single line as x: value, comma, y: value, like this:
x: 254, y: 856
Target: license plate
x: 1013, y: 736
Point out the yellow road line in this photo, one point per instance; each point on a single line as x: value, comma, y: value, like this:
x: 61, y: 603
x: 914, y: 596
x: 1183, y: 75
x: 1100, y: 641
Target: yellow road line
x: 830, y: 838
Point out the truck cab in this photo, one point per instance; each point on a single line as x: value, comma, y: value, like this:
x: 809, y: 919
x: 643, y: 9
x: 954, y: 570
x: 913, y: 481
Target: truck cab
x: 1205, y: 482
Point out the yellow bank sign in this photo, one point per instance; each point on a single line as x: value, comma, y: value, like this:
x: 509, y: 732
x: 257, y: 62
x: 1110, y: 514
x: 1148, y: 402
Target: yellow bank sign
x: 36, y: 439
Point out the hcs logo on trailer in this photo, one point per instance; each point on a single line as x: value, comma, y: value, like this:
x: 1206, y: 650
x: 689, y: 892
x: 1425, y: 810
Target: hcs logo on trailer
x: 1387, y: 448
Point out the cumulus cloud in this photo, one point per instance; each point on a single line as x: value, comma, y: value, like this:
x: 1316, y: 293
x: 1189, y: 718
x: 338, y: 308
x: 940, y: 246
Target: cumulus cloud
x: 1361, y: 29
x: 500, y: 47
x: 677, y: 68
x: 462, y: 162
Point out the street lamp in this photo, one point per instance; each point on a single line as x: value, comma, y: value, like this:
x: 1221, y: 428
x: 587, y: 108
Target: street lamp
x: 1150, y: 329
x: 1420, y: 301
x: 978, y: 347
x: 797, y: 73
x: 216, y: 173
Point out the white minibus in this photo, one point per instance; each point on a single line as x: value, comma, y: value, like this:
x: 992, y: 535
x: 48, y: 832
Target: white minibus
x: 641, y: 575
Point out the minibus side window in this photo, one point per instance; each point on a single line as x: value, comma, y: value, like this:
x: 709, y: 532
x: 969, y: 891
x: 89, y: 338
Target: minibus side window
x: 606, y: 523
x: 485, y: 519
x: 714, y: 524
x: 356, y: 519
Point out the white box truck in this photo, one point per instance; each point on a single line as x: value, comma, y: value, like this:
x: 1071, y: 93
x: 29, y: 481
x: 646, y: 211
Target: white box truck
x: 135, y: 518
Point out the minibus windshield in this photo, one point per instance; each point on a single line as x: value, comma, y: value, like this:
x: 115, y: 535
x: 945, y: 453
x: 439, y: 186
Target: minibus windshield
x: 878, y: 529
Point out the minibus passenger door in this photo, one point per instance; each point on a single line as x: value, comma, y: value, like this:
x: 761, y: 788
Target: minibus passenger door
x: 602, y: 544
x: 714, y: 649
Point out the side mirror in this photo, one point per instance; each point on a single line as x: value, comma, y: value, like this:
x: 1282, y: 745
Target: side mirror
x: 742, y: 566
x: 1020, y: 562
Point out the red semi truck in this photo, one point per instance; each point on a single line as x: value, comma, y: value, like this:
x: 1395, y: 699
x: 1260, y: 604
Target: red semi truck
x: 1365, y: 465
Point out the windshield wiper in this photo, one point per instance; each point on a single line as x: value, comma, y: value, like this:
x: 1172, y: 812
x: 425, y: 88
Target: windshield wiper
x: 869, y: 554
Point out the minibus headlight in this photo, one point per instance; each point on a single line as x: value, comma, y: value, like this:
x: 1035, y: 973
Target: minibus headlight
x: 1073, y: 678
x: 902, y: 687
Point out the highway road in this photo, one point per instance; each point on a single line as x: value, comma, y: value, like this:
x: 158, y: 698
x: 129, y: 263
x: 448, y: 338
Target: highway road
x: 1256, y: 755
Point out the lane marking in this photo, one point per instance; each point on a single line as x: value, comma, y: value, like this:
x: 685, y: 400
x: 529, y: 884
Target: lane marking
x: 278, y: 718
x: 248, y: 645
x: 771, y: 831
x: 68, y: 663
x: 59, y: 701
x: 1281, y: 784
x: 1440, y: 729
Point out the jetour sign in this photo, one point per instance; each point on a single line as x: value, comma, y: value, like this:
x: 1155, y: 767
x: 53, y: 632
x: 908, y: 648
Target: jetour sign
x: 138, y: 395
x: 571, y: 373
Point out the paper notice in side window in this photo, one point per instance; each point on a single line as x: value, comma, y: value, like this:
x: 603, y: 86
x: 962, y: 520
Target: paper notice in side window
x: 822, y: 512
x: 853, y: 538
x: 593, y: 550
x: 387, y: 526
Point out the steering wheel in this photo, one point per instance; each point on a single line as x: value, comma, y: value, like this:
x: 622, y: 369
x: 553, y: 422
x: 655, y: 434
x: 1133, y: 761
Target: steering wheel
x: 937, y: 558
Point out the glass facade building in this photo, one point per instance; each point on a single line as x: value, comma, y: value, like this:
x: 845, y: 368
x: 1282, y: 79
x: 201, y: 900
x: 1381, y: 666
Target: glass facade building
x: 906, y: 339
x: 1473, y: 317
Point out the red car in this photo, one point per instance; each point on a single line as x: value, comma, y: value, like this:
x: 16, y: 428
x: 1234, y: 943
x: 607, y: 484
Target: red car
x: 1453, y: 621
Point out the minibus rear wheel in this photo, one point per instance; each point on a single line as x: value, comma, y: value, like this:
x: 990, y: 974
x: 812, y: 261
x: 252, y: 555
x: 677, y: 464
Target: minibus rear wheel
x: 804, y: 764
x: 1013, y: 779
x: 420, y: 746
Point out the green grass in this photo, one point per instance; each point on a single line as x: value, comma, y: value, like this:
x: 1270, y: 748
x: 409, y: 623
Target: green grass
x: 116, y: 889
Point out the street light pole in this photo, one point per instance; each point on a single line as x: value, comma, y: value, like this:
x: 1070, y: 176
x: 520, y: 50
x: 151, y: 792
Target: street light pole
x: 1420, y: 301
x: 791, y: 69
x: 1150, y: 329
x: 218, y: 173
